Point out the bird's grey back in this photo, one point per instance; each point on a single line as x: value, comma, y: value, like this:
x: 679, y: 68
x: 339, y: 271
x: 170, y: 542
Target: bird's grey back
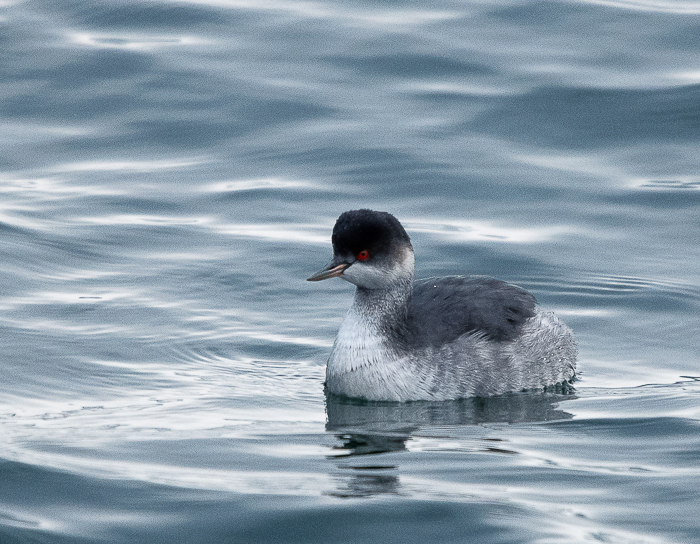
x: 442, y: 309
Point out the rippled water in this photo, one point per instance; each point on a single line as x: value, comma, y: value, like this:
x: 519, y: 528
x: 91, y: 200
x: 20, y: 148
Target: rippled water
x: 169, y: 176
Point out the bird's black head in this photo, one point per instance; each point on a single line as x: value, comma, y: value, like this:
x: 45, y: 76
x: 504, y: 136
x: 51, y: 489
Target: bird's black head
x: 378, y: 233
x: 370, y: 249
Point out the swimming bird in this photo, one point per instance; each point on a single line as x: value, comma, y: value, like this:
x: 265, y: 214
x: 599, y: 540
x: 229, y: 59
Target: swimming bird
x: 437, y: 338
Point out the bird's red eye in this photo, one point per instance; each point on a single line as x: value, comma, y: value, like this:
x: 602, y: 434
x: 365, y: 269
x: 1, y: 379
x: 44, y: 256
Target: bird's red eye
x: 363, y: 255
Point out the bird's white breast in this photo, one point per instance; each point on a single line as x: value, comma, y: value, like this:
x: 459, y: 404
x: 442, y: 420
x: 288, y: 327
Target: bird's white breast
x: 361, y: 364
x: 357, y: 345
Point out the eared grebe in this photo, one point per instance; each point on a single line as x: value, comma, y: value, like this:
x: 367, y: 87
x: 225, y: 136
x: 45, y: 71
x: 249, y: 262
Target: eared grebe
x: 438, y: 338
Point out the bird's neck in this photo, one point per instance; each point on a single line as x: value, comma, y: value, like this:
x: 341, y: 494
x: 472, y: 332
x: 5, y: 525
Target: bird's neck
x: 385, y: 310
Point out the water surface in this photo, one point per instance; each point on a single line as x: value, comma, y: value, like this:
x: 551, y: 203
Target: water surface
x: 170, y: 172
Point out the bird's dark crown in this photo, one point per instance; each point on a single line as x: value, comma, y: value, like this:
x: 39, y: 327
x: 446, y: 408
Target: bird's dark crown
x: 377, y: 232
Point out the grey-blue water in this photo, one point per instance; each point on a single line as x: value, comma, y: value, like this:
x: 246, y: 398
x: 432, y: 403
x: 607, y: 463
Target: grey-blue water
x: 170, y: 172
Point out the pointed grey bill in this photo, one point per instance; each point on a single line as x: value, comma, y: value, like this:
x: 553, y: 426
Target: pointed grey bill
x: 331, y: 271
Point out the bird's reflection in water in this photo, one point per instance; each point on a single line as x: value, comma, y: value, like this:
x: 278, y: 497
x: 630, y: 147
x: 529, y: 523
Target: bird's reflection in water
x: 367, y: 481
x: 366, y: 428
